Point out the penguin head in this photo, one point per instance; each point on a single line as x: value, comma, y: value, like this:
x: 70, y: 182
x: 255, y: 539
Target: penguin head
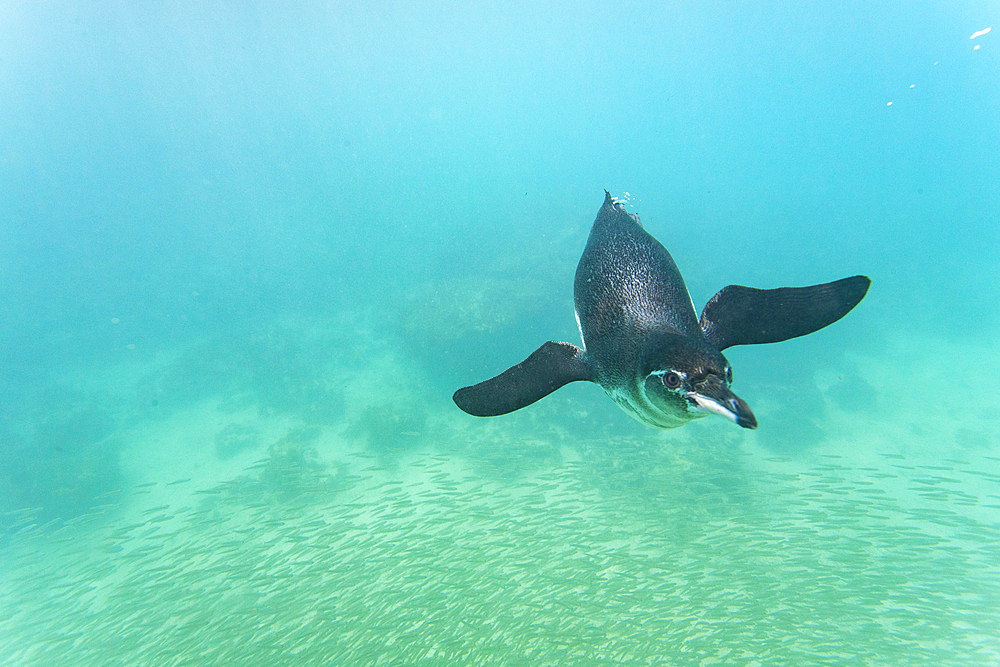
x: 687, y: 379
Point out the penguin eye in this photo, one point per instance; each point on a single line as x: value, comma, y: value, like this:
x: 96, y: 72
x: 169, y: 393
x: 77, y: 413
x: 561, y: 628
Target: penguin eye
x: 671, y: 380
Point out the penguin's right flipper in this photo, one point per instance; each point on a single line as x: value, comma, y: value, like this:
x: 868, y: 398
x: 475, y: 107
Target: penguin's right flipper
x: 739, y: 315
x: 548, y: 368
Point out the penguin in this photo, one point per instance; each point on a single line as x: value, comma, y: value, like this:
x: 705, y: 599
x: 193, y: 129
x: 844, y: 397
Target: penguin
x: 641, y: 340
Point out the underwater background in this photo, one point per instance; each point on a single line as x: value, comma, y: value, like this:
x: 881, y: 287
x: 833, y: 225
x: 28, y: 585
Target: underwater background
x: 249, y: 250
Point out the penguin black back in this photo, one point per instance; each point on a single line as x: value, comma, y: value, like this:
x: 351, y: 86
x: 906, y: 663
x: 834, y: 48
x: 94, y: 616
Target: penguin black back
x: 627, y: 287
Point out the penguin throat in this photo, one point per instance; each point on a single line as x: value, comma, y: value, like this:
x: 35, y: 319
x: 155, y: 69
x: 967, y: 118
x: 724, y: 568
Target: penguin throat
x: 633, y: 400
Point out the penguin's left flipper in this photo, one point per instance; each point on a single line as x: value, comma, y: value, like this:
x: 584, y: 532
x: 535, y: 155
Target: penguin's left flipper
x: 739, y: 315
x: 548, y: 368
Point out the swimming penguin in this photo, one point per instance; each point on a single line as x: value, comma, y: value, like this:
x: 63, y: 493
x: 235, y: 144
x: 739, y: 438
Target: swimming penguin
x: 642, y: 341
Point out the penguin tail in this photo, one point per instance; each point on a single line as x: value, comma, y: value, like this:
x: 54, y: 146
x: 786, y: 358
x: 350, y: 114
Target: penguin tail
x: 549, y: 367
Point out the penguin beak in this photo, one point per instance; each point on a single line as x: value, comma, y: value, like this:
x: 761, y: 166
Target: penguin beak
x: 713, y: 395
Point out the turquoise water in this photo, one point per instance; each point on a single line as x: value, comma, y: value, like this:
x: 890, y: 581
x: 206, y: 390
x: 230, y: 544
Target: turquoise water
x: 247, y: 252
